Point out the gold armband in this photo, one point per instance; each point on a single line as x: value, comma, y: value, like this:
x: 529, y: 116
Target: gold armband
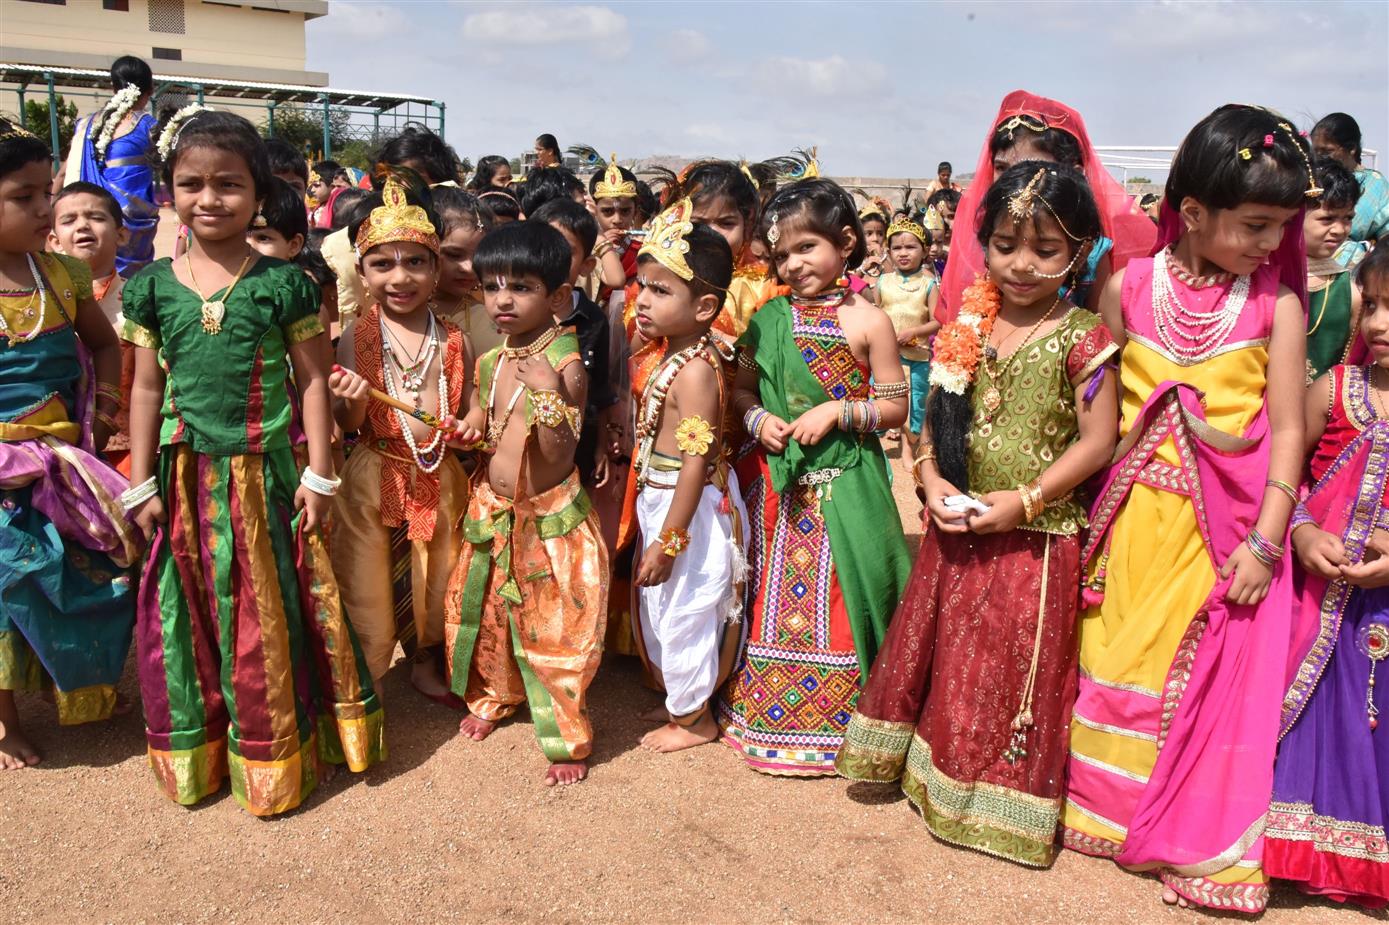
x: 549, y: 409
x: 890, y: 391
x: 694, y: 435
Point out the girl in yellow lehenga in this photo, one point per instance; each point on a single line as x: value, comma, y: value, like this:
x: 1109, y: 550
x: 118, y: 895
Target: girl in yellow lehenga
x: 1183, y: 647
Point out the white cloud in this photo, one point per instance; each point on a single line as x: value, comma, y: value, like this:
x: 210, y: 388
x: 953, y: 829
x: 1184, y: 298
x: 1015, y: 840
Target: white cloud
x: 363, y: 20
x: 686, y: 46
x: 548, y: 25
x: 835, y: 77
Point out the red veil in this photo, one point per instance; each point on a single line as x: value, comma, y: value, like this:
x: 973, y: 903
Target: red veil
x: 1131, y: 231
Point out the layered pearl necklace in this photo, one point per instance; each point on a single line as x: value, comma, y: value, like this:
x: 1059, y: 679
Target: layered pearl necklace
x: 1188, y: 335
x: 41, y: 292
x: 431, y: 456
x: 411, y: 374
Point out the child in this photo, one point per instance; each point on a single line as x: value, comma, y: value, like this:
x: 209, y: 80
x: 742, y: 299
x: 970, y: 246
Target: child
x: 1337, y: 136
x: 1331, y: 780
x: 350, y: 207
x: 320, y: 189
x: 463, y: 221
x: 403, y: 492
x: 279, y: 228
x: 65, y: 546
x: 502, y: 203
x: 289, y: 165
x: 688, y: 505
x: 491, y: 170
x: 1333, y: 303
x: 237, y: 587
x: 971, y: 693
x: 828, y: 556
x: 874, y: 223
x: 1189, y: 615
x: 614, y: 192
x: 907, y: 291
x: 421, y: 151
x: 527, y: 604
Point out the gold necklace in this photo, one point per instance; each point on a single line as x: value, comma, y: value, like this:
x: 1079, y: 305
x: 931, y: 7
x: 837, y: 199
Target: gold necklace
x: 992, y: 397
x: 213, y: 311
x: 536, y: 346
x: 1325, y: 297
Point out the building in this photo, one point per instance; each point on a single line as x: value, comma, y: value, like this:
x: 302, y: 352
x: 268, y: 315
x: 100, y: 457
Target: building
x: 258, y: 40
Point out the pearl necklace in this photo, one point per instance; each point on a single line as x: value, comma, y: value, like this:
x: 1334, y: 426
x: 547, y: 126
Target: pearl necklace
x: 412, y: 375
x: 431, y: 456
x: 536, y: 346
x: 42, y: 292
x: 1204, y: 332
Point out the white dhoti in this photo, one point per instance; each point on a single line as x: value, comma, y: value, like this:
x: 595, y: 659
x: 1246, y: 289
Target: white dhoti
x: 685, y: 621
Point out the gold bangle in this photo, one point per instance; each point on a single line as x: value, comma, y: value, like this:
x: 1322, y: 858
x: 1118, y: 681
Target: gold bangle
x: 1028, y: 512
x: 673, y: 541
x: 549, y: 409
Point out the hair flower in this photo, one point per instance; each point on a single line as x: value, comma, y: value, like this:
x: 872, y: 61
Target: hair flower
x: 958, y: 345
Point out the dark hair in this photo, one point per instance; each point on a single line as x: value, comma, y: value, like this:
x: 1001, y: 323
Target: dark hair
x: 1339, y: 189
x: 820, y: 205
x: 352, y: 205
x: 543, y: 186
x: 944, y: 165
x: 1211, y: 166
x: 327, y: 170
x: 1057, y: 144
x: 502, y: 203
x: 572, y: 217
x: 602, y: 171
x: 130, y: 71
x: 311, y: 260
x: 284, y: 210
x: 285, y: 159
x: 19, y: 150
x: 704, y: 181
x: 949, y: 196
x: 487, y: 167
x: 457, y: 208
x: 108, y: 202
x: 711, y: 260
x: 1342, y: 129
x: 873, y: 215
x: 428, y: 151
x: 528, y: 248
x: 1373, y: 268
x: 549, y: 143
x: 210, y: 128
x: 648, y: 203
x: 417, y: 193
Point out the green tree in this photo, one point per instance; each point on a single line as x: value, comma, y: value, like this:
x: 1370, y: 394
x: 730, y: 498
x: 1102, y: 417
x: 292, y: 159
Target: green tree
x: 302, y: 126
x: 1139, y: 180
x: 36, y: 120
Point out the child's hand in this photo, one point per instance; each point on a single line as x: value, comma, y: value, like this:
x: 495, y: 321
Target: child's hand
x: 1005, y: 513
x: 615, y: 236
x: 149, y: 515
x: 1320, y: 553
x: 655, y: 567
x: 773, y: 434
x: 907, y: 338
x: 536, y: 374
x: 347, y: 385
x: 1252, y: 577
x: 314, y: 506
x: 811, y: 427
x: 946, y: 520
x: 1373, y: 572
x: 601, y: 469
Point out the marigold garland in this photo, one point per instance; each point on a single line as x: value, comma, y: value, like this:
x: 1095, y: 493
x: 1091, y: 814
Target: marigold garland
x: 958, y: 346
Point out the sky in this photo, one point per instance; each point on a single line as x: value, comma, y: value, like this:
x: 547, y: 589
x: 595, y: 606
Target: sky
x: 883, y: 88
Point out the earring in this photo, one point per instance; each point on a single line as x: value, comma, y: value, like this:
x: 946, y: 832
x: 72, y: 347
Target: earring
x: 842, y: 281
x: 259, y: 221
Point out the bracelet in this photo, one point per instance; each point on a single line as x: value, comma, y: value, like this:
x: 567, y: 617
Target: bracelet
x: 549, y: 409
x: 1263, y: 549
x: 929, y: 452
x: 107, y: 421
x: 136, y: 495
x: 752, y: 416
x: 601, y: 249
x: 674, y: 541
x: 318, y: 484
x: 1032, y: 503
x: 891, y: 391
x: 1285, y: 488
x: 746, y: 361
x: 108, y: 391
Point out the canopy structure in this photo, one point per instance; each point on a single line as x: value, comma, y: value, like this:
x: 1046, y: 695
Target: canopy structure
x: 359, y: 114
x: 1158, y: 158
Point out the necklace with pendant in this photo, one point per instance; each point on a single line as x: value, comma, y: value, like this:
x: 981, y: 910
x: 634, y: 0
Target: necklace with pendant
x: 213, y: 311
x: 992, y: 399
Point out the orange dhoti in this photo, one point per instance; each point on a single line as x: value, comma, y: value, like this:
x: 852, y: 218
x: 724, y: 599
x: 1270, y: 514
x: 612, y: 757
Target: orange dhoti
x: 526, y: 610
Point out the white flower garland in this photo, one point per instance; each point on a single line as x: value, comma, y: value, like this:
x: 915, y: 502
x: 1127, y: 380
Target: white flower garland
x: 169, y: 137
x: 111, y: 117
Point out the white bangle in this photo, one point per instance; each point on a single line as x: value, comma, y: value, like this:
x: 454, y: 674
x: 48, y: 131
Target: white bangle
x: 318, y: 484
x: 136, y: 495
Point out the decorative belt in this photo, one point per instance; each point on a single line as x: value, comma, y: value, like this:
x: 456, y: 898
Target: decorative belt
x: 822, y: 480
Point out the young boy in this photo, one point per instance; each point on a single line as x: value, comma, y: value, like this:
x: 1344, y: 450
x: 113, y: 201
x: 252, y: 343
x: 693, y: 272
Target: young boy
x: 689, y: 509
x: 614, y: 193
x: 289, y: 165
x: 527, y: 604
x: 1333, y: 301
x: 590, y: 324
x: 395, y: 518
x: 463, y: 221
x: 281, y: 226
x: 87, y: 224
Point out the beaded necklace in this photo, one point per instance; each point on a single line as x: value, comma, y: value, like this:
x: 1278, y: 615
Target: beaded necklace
x: 1203, y: 332
x: 42, y: 294
x: 830, y: 299
x: 653, y: 402
x: 431, y: 456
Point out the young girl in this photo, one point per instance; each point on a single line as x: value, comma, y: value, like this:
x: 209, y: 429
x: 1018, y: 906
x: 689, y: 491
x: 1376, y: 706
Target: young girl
x: 248, y: 666
x: 970, y: 698
x: 873, y: 219
x: 1331, y: 780
x: 828, y: 555
x: 1030, y: 127
x: 1183, y: 646
x: 65, y: 546
x: 1333, y: 304
x: 907, y: 292
x: 463, y: 220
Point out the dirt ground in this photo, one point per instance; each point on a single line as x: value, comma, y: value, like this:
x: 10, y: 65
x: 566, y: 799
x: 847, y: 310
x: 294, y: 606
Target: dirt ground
x: 449, y: 829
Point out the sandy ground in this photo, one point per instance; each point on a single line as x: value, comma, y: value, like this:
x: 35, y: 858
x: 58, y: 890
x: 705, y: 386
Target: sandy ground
x: 450, y: 829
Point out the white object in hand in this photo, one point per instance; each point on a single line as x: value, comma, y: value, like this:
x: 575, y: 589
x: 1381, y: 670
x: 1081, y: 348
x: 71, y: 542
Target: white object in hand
x: 962, y: 503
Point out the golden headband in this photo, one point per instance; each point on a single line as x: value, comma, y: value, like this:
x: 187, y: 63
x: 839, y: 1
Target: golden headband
x: 871, y: 210
x: 613, y: 186
x: 1031, y: 123
x: 17, y: 131
x: 906, y: 226
x: 396, y: 220
x: 1023, y: 203
x: 666, y: 241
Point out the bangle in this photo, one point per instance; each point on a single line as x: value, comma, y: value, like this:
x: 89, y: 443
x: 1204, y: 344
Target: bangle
x: 1263, y: 549
x: 1285, y: 488
x: 549, y: 409
x: 601, y: 249
x: 327, y: 487
x: 108, y: 391
x: 746, y: 361
x: 891, y: 391
x: 106, y: 420
x: 1301, y: 518
x: 137, y: 495
x: 674, y: 541
x: 1032, y: 503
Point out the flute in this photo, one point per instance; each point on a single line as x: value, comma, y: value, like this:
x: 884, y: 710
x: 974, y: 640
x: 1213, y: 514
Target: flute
x: 419, y: 414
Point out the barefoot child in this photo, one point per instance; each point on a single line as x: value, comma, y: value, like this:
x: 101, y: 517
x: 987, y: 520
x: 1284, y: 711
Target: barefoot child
x: 1333, y: 303
x: 688, y: 506
x: 907, y: 292
x: 248, y: 667
x: 828, y: 555
x: 972, y: 691
x: 395, y: 519
x: 527, y: 604
x: 65, y: 546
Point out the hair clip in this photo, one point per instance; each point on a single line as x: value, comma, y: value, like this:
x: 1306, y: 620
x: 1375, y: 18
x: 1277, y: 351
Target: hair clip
x: 1246, y: 154
x: 1268, y: 140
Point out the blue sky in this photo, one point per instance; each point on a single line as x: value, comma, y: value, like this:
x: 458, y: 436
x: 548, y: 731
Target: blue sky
x: 884, y: 89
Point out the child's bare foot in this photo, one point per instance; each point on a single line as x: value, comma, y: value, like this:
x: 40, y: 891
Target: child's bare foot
x: 1173, y: 898
x: 424, y: 677
x: 566, y: 772
x: 475, y: 727
x: 654, y: 715
x: 16, y: 751
x: 123, y: 705
x: 673, y: 738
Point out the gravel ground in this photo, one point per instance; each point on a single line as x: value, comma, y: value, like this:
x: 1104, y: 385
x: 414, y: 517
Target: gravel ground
x: 449, y: 829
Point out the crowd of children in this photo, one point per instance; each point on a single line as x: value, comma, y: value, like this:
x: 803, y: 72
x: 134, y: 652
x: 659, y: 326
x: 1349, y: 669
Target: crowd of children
x: 505, y: 428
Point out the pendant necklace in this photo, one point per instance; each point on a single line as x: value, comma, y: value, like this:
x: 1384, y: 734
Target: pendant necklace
x: 214, y: 310
x: 992, y: 398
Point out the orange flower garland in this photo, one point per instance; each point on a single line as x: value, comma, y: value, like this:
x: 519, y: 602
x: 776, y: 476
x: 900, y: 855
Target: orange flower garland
x: 958, y: 346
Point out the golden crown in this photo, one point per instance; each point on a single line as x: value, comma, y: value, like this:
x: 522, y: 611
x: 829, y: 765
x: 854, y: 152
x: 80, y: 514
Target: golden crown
x: 665, y: 242
x: 396, y: 220
x: 908, y: 226
x: 612, y: 186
